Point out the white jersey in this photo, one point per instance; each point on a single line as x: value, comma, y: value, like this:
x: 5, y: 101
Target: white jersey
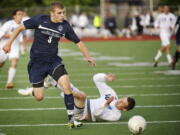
x: 83, y: 21
x: 8, y: 28
x: 165, y: 22
x: 98, y: 111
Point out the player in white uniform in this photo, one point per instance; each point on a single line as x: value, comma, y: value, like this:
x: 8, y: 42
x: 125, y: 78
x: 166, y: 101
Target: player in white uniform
x: 26, y: 34
x: 5, y: 32
x: 165, y: 23
x: 105, y: 108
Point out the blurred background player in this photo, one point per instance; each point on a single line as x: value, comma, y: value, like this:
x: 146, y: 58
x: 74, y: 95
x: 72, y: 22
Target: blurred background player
x: 177, y: 53
x: 44, y: 59
x: 127, y: 25
x: 5, y: 31
x: 26, y: 34
x: 105, y: 108
x: 165, y: 23
x: 110, y: 23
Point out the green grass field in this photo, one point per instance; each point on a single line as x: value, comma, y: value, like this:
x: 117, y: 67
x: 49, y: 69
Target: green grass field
x: 157, y: 94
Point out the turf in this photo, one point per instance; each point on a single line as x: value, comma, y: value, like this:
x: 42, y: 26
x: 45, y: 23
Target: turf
x: 157, y: 95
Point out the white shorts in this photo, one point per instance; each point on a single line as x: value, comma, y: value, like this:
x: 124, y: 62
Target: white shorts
x: 15, y: 49
x: 3, y: 56
x: 165, y: 38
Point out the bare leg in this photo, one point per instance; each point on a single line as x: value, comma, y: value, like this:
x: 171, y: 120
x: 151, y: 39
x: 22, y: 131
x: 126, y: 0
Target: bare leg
x: 38, y: 93
x: 11, y: 73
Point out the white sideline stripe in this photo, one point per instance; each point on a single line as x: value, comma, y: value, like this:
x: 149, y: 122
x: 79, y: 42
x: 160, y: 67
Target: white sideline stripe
x: 90, y: 74
x: 61, y: 108
x: 127, y: 86
x: 129, y: 79
x: 89, y: 123
x: 93, y: 96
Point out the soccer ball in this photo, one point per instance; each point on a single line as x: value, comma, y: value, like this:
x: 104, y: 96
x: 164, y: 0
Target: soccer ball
x: 137, y: 124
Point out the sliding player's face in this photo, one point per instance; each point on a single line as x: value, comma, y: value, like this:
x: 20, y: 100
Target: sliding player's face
x: 58, y: 14
x: 122, y: 103
x: 18, y: 17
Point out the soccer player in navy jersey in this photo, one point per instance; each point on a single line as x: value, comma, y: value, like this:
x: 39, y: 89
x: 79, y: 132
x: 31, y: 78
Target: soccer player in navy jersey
x: 177, y: 53
x: 43, y: 55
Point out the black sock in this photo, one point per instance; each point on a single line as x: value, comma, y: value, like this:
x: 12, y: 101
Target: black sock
x: 33, y: 93
x: 69, y: 102
x: 176, y: 56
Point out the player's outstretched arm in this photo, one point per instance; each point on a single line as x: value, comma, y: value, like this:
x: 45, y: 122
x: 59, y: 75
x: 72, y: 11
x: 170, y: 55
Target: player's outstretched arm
x: 13, y: 36
x: 85, y: 52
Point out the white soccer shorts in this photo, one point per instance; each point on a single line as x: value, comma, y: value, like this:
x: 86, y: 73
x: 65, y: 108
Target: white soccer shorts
x: 165, y: 38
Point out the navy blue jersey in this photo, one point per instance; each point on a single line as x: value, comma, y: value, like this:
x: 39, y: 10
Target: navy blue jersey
x: 178, y: 23
x: 47, y: 35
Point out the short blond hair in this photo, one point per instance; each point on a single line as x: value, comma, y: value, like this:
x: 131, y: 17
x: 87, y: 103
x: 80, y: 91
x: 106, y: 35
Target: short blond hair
x: 56, y: 5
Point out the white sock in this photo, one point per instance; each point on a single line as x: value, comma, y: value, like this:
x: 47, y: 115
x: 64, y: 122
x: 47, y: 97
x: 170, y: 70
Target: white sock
x: 159, y: 54
x: 169, y: 58
x: 11, y: 75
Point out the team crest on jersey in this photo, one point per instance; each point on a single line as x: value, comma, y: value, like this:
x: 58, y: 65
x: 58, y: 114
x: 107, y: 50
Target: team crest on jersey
x: 60, y: 27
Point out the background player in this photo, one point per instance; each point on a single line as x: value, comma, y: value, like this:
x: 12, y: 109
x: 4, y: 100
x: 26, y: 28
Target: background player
x: 105, y: 108
x: 44, y: 59
x: 5, y: 32
x: 165, y: 23
x: 177, y: 53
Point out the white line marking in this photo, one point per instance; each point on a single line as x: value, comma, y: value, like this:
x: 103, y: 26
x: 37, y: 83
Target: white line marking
x: 126, y: 86
x: 94, y: 96
x: 61, y: 108
x: 117, y: 80
x: 91, y: 74
x: 88, y: 123
x: 119, y: 69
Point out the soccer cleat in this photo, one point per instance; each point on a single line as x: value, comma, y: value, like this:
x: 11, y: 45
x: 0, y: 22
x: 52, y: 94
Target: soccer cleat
x: 25, y: 92
x: 155, y: 63
x: 9, y: 85
x: 74, y: 124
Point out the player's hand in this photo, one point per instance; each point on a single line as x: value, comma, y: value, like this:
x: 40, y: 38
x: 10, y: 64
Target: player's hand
x: 7, y: 48
x: 110, y: 77
x: 91, y: 61
x: 109, y: 100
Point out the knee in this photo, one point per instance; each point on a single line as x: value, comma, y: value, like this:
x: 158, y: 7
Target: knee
x: 178, y: 48
x: 79, y: 95
x: 13, y: 65
x: 83, y: 96
x: 67, y: 90
x: 39, y: 97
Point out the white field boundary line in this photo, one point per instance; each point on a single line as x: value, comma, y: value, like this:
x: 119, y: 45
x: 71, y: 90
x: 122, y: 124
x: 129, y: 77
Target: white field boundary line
x: 24, y: 70
x: 91, y: 74
x: 129, y: 79
x: 88, y: 123
x: 61, y: 108
x: 94, y: 96
x: 128, y: 86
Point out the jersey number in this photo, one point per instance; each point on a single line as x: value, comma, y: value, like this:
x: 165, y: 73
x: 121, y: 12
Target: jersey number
x: 107, y: 96
x: 50, y: 39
